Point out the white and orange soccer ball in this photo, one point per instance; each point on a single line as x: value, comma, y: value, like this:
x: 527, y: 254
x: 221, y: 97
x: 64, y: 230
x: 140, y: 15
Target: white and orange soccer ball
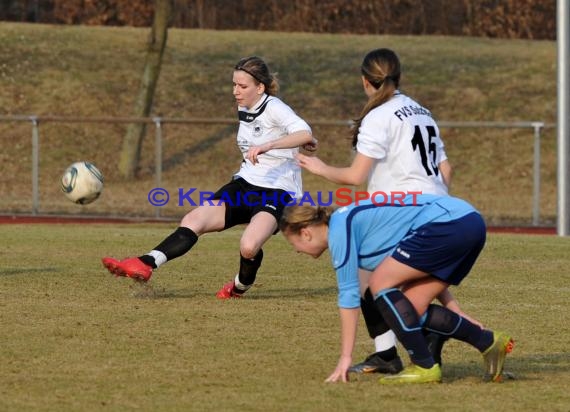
x: 82, y: 183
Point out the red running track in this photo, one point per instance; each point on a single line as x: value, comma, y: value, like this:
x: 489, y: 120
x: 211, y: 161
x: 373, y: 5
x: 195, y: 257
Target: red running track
x: 23, y: 219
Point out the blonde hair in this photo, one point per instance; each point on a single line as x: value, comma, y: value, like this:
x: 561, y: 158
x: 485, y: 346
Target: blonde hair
x: 296, y: 218
x: 381, y: 67
x: 258, y: 69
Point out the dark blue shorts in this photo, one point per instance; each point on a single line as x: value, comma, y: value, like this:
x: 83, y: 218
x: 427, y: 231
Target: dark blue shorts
x: 445, y: 250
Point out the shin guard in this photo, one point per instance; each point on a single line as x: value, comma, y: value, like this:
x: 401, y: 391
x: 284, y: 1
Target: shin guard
x: 402, y: 318
x: 248, y: 270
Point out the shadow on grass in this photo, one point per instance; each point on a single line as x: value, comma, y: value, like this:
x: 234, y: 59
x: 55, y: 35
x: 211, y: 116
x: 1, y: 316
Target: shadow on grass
x: 150, y: 291
x: 291, y: 293
x: 518, y: 368
x: 26, y: 271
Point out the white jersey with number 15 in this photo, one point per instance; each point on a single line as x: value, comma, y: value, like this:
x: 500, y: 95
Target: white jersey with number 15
x: 404, y: 139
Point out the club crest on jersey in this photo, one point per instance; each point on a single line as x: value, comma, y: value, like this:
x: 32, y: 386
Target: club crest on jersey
x: 257, y: 129
x: 242, y: 144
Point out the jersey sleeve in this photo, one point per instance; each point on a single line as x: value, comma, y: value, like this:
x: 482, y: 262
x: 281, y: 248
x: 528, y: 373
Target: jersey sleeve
x: 441, y: 155
x: 284, y: 117
x: 344, y: 257
x: 372, y: 137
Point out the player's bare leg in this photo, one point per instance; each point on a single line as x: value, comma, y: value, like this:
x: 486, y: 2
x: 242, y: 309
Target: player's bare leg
x: 257, y: 232
x: 204, y: 219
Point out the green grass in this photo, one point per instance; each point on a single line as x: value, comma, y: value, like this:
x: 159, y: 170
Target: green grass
x: 94, y: 71
x: 76, y: 338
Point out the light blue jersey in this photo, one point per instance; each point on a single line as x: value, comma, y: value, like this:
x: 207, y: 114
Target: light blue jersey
x: 361, y: 236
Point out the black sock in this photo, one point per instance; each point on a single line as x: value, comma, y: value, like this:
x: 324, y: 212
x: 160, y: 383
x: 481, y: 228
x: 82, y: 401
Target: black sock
x: 375, y: 323
x: 248, y: 271
x: 402, y: 318
x: 148, y: 260
x: 388, y: 354
x: 435, y: 342
x: 449, y: 323
x: 175, y: 245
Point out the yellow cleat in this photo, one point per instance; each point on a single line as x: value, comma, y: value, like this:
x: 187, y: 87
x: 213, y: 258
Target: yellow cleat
x: 494, y: 356
x: 414, y: 374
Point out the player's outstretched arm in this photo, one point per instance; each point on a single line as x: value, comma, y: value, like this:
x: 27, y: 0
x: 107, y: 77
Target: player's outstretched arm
x: 348, y: 324
x: 355, y: 174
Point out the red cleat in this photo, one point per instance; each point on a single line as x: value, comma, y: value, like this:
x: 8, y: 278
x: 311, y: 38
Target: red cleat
x: 112, y: 265
x: 227, y: 291
x: 131, y: 267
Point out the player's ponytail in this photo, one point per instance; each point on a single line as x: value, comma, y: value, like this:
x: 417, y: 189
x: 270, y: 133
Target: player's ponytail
x: 381, y: 68
x: 296, y: 218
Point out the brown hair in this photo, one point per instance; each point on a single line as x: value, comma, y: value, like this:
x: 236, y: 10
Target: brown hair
x: 296, y: 218
x: 258, y: 69
x: 381, y: 67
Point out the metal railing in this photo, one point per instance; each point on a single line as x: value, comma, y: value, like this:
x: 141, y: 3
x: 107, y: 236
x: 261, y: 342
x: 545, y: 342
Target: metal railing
x: 35, y: 121
x: 537, y: 128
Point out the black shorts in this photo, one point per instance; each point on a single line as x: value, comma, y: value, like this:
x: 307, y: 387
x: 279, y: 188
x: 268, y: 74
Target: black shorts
x: 244, y: 200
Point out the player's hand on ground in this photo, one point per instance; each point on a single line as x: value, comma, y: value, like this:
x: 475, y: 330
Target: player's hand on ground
x: 312, y: 146
x: 341, y: 371
x: 312, y: 163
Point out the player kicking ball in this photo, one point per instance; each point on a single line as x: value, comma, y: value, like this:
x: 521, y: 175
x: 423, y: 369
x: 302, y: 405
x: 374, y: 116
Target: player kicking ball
x: 269, y: 137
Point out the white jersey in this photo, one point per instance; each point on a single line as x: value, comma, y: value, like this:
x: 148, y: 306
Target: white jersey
x: 270, y: 120
x: 404, y: 139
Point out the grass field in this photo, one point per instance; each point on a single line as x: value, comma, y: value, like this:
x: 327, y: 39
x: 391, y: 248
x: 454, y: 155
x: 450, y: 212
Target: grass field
x: 74, y: 338
x: 95, y: 71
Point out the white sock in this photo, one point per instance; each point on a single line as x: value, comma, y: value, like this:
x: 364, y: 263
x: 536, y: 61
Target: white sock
x: 159, y: 257
x: 240, y: 285
x: 385, y: 341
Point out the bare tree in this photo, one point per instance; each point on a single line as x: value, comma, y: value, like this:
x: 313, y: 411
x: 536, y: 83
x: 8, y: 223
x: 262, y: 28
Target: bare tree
x: 132, y: 142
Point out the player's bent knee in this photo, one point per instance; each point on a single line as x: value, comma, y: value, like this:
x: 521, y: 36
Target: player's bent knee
x: 249, y: 251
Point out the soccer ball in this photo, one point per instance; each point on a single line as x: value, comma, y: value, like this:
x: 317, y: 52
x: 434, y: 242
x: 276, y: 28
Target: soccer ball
x: 82, y: 183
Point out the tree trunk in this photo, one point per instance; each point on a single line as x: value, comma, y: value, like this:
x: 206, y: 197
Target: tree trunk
x: 132, y: 142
